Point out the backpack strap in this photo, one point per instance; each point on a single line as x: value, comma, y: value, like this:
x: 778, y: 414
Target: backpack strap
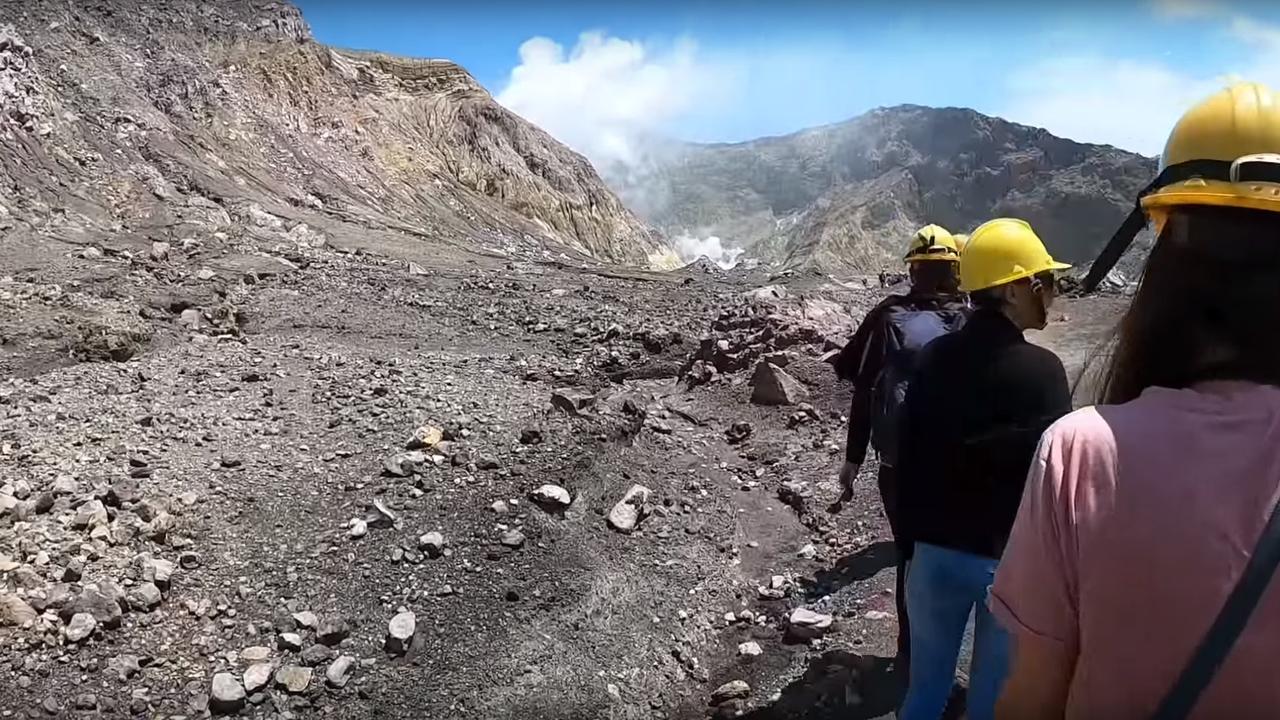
x: 1226, y: 628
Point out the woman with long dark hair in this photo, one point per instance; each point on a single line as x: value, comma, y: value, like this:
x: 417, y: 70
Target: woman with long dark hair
x: 1142, y: 514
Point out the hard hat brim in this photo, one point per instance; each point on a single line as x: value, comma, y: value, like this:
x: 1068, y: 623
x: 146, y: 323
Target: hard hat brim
x: 1215, y: 193
x: 1053, y: 266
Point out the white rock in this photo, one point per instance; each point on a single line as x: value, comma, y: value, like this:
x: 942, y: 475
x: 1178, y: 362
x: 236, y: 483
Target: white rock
x: 403, y: 464
x: 359, y: 529
x: 191, y: 319
x: 772, y: 386
x: 425, y: 437
x: 750, y: 649
x: 255, y: 654
x: 400, y: 632
x: 65, y: 485
x: 15, y: 612
x: 258, y: 676
x: 81, y: 627
x: 293, y: 679
x: 382, y: 516
x: 263, y: 219
x: 630, y: 510
x: 164, y: 570
x: 90, y: 515
x: 339, y: 671
x: 432, y: 544
x: 552, y: 496
x: 807, y: 624
x: 144, y: 597
x: 290, y: 641
x: 226, y: 695
x: 735, y: 690
x: 513, y: 539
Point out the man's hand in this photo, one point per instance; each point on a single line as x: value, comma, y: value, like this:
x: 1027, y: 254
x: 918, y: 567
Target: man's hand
x: 848, y: 475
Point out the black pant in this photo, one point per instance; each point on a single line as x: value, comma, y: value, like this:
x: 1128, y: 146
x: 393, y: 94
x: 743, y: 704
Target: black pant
x: 887, y: 480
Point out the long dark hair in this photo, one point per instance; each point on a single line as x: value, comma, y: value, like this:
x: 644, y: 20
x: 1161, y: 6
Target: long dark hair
x: 1208, y: 306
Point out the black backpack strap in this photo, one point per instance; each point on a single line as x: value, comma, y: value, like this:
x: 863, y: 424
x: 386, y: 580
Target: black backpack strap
x: 1226, y: 628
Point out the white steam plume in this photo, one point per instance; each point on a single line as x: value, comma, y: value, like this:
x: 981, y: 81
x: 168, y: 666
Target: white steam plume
x: 690, y: 248
x: 611, y: 99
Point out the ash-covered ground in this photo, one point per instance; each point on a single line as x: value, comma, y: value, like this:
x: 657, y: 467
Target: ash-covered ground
x: 225, y: 470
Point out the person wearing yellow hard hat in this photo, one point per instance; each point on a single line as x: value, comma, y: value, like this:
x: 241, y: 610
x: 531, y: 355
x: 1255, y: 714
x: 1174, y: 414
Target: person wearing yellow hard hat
x: 1138, y: 578
x: 979, y: 401
x: 880, y: 360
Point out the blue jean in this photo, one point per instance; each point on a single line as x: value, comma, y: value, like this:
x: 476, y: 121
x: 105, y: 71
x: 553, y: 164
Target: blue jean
x: 943, y: 586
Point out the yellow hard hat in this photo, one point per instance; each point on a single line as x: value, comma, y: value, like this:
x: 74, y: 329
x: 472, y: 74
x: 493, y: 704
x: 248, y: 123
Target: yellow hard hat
x: 1221, y: 153
x: 1001, y: 251
x: 932, y: 242
x: 1229, y: 141
x: 961, y: 240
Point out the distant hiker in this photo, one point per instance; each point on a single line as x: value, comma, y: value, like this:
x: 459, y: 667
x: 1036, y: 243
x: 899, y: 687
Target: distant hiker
x: 972, y: 417
x: 1145, y: 514
x: 880, y: 359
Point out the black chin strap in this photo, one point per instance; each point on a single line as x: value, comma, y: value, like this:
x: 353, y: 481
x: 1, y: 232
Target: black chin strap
x: 1137, y: 219
x: 1115, y: 248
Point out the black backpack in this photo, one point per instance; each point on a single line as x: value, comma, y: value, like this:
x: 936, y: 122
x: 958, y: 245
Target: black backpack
x: 908, y: 328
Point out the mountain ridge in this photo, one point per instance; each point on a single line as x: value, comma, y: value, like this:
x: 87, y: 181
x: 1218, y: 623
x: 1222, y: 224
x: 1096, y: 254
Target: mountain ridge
x: 835, y: 196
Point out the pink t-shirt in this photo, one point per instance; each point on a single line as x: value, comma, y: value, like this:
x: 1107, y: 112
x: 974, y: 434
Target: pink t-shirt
x: 1136, y: 522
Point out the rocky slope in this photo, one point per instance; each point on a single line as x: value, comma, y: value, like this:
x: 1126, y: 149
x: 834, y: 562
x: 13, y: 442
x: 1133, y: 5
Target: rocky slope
x: 843, y: 197
x: 169, y: 119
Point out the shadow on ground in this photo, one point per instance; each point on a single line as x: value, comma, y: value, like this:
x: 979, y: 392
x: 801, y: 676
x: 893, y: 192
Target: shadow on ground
x: 842, y: 685
x: 853, y: 568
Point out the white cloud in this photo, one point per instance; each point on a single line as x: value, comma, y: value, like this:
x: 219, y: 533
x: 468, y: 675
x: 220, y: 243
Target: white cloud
x: 1184, y: 9
x: 1131, y: 103
x: 606, y: 92
x: 1126, y: 103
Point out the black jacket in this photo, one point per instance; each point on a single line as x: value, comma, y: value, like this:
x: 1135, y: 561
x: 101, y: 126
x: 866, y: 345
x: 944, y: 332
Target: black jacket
x: 972, y: 419
x: 862, y: 361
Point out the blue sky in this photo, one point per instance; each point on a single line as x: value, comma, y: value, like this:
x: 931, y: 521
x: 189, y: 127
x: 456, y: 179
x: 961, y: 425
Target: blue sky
x: 727, y: 71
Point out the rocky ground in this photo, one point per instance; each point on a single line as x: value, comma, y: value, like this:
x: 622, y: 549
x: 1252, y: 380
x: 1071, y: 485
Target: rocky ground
x: 345, y: 482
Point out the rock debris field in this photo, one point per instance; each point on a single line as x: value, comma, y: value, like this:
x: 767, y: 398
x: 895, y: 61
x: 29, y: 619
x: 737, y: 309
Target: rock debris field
x: 482, y: 490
